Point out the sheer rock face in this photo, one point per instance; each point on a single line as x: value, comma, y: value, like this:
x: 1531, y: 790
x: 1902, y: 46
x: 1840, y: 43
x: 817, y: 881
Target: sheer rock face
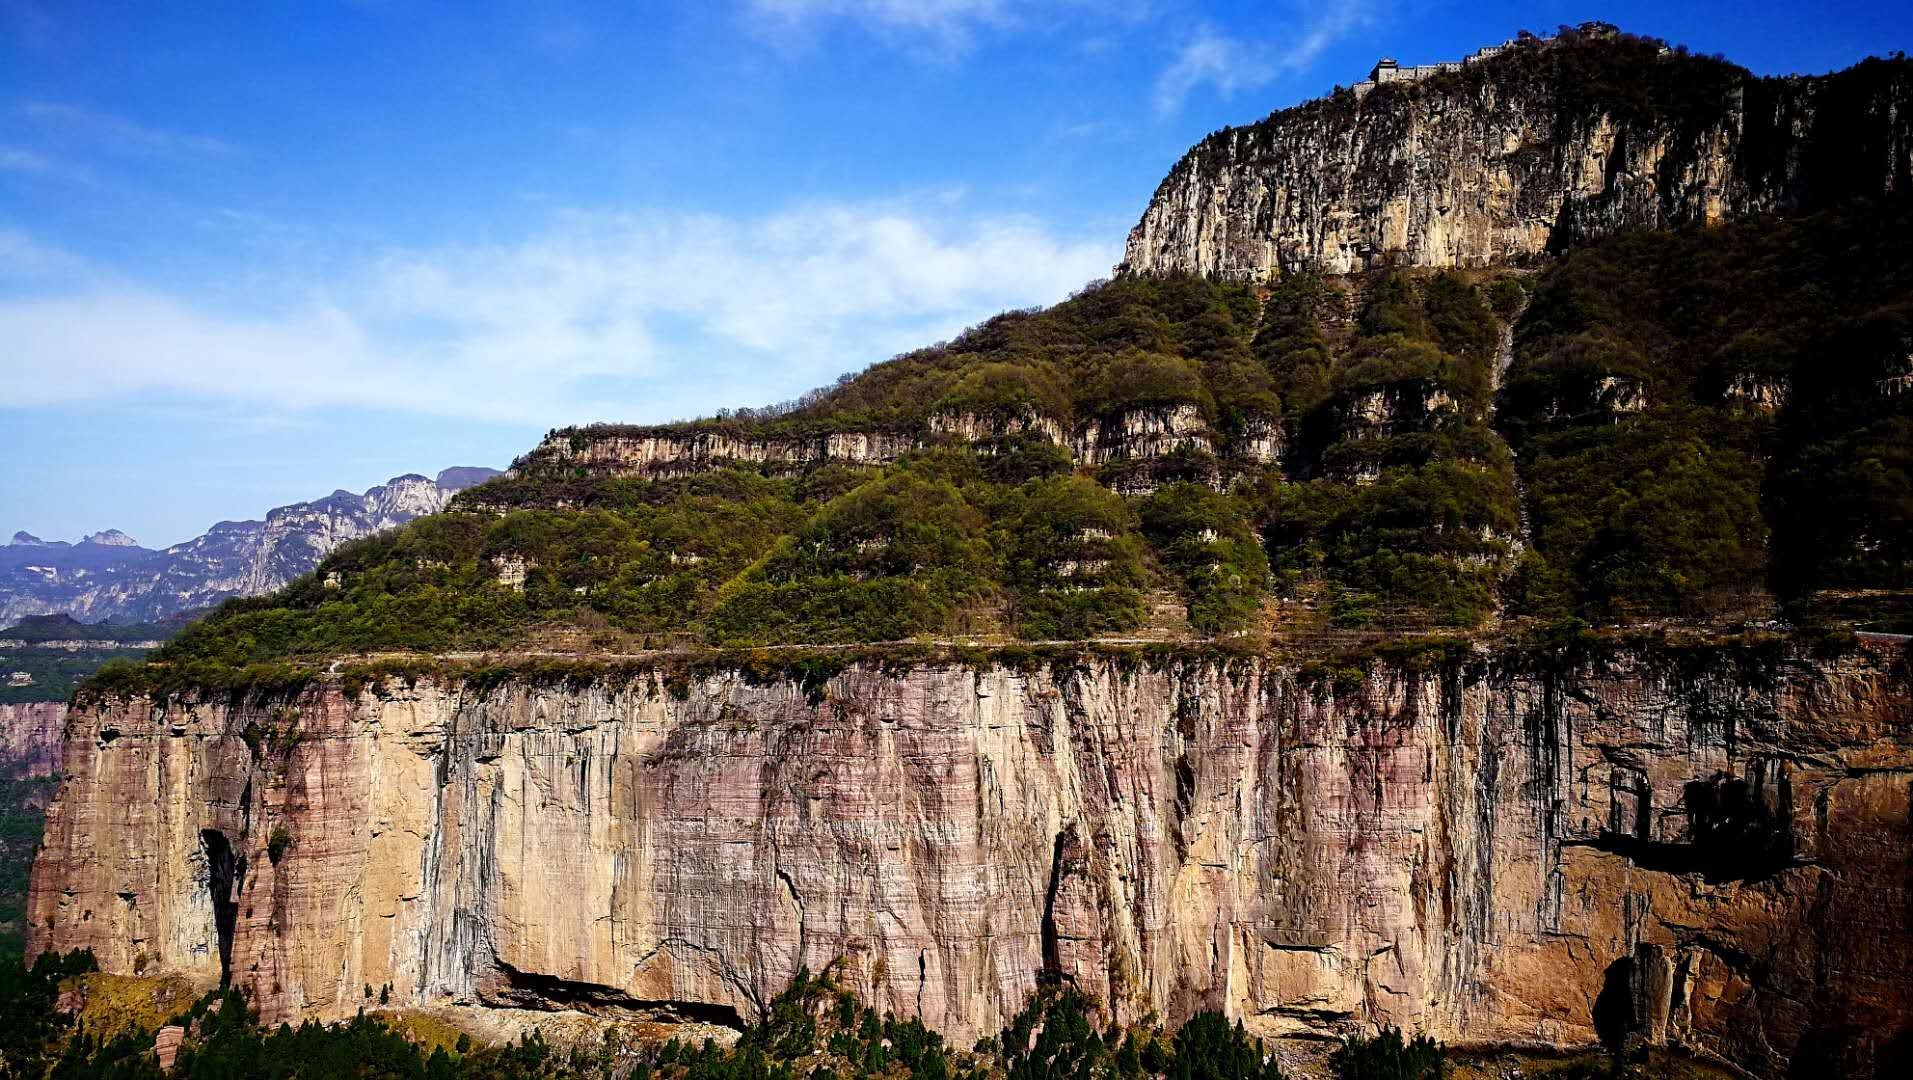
x: 1144, y: 434
x: 1492, y: 164
x: 32, y: 738
x: 654, y: 454
x: 1717, y: 854
x: 1139, y: 435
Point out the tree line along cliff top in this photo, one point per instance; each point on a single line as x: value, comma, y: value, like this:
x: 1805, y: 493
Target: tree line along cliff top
x: 1584, y: 75
x: 1705, y: 426
x: 1710, y: 426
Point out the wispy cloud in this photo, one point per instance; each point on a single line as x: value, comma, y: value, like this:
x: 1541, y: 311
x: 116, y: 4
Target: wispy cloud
x: 120, y: 135
x: 950, y: 21
x: 1231, y: 65
x: 600, y: 317
x: 26, y: 262
x: 15, y: 159
x: 948, y: 25
x: 23, y: 161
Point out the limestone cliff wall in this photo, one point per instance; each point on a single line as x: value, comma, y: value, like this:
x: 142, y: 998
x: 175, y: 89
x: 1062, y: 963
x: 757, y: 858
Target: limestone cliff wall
x: 1519, y: 155
x: 32, y: 738
x: 1717, y: 849
x: 1139, y: 437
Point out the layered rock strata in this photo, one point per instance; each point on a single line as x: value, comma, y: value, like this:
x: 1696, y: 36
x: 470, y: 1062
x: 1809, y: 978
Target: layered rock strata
x: 1521, y: 154
x: 1137, y: 437
x: 1709, y: 849
x: 32, y: 738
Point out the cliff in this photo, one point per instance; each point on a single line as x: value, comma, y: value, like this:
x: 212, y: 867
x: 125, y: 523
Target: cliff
x: 1708, y: 847
x: 107, y: 577
x: 1137, y: 440
x: 1521, y: 153
x: 32, y: 743
x: 32, y: 738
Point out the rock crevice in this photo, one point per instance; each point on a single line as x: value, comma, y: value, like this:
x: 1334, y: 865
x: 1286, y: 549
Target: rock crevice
x: 1453, y: 851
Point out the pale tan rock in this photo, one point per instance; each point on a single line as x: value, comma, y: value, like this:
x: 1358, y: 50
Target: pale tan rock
x: 1447, y: 852
x: 166, y: 1045
x: 649, y: 453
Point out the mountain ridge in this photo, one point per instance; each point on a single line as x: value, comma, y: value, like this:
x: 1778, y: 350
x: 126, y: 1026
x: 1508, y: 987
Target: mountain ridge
x: 1522, y: 153
x: 107, y: 576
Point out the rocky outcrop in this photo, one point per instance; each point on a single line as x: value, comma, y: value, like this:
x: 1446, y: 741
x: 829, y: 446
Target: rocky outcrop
x: 32, y: 738
x: 984, y: 431
x: 1708, y: 848
x: 106, y: 577
x: 1135, y: 437
x: 646, y: 452
x: 1143, y: 434
x: 1542, y: 144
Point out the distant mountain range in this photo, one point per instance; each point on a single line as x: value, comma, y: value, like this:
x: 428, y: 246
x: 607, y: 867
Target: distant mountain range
x: 108, y: 576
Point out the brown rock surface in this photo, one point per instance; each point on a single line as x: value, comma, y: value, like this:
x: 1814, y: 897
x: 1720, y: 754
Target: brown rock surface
x: 166, y: 1045
x: 32, y: 738
x: 1711, y: 847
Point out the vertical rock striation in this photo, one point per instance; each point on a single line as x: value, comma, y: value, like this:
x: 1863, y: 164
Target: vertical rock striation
x: 1522, y: 153
x: 32, y: 738
x: 1477, y: 853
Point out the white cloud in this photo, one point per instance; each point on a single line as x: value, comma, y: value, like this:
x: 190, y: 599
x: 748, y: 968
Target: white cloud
x: 949, y: 24
x: 119, y: 134
x: 14, y: 159
x: 1231, y: 65
x: 27, y: 162
x: 24, y: 261
x: 641, y: 316
x: 1211, y: 57
x: 949, y: 20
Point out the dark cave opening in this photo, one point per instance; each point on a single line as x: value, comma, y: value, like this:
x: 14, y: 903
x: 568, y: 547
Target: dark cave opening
x: 536, y: 990
x: 1734, y: 832
x: 1052, y: 958
x: 1614, y: 1007
x: 225, y: 874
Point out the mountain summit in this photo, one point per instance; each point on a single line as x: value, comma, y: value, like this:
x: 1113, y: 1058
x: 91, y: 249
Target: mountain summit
x: 1521, y: 150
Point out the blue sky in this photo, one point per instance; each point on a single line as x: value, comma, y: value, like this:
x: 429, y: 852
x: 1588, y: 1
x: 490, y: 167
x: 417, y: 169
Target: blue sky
x: 250, y: 253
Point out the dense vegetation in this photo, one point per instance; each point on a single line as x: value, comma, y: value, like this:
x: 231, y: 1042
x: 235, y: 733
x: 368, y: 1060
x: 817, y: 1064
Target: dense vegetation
x: 53, y: 672
x: 815, y: 1030
x: 1689, y: 423
x: 1400, y: 497
x: 1704, y: 417
x: 22, y: 817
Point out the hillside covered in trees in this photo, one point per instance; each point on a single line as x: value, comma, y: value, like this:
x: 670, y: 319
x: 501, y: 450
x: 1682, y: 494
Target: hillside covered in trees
x: 1696, y: 425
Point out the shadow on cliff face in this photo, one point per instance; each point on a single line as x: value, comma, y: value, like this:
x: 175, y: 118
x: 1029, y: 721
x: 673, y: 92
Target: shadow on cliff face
x: 1735, y: 832
x: 1059, y: 866
x: 1614, y: 1019
x: 535, y: 990
x: 1851, y: 1050
x: 225, y: 874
